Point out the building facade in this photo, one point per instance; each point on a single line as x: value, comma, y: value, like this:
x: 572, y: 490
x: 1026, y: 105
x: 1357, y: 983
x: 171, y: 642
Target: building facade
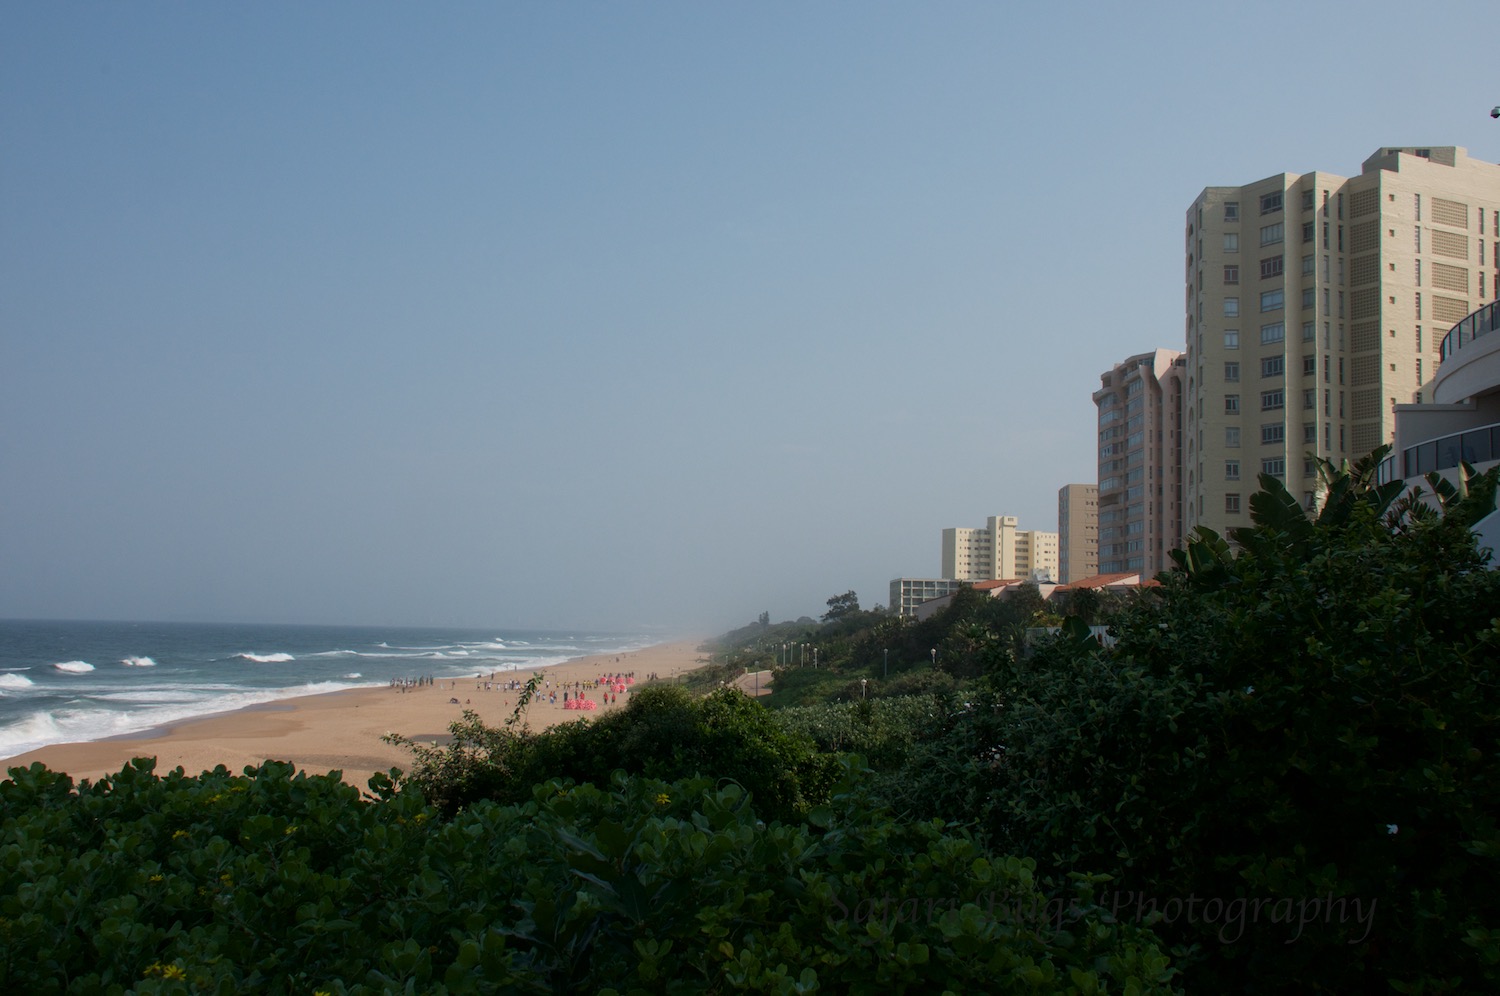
x: 1461, y: 422
x: 1140, y: 403
x: 1077, y: 532
x: 1315, y: 304
x: 999, y: 550
x: 908, y: 593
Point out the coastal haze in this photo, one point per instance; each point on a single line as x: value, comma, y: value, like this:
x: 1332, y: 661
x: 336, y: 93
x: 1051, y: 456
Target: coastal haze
x: 618, y: 317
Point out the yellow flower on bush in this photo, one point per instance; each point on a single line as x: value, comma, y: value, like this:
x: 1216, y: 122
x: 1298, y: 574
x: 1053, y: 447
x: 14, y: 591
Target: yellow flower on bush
x: 179, y: 834
x: 156, y: 879
x: 157, y: 970
x: 662, y: 799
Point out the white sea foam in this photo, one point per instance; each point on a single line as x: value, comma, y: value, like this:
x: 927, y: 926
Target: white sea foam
x: 266, y: 658
x: 13, y: 680
x: 74, y: 667
x: 39, y: 729
x: 352, y: 675
x: 138, y: 662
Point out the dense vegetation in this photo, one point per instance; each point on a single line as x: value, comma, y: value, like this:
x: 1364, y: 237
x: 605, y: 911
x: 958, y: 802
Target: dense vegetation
x: 1282, y: 774
x: 287, y: 884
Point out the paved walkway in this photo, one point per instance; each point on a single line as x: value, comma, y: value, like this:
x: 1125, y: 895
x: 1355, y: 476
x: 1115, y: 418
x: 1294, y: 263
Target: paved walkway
x: 747, y: 683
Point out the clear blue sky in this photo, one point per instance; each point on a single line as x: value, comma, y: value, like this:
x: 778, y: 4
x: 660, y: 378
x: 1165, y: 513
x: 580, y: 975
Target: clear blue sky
x: 607, y: 314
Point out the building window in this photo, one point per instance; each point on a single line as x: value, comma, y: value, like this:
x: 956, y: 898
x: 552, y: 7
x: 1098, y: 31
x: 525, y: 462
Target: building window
x: 1274, y: 432
x: 1231, y: 274
x: 1308, y: 230
x: 1231, y: 339
x: 1309, y: 298
x: 1270, y: 235
x: 1231, y: 241
x: 1231, y: 470
x: 1270, y: 203
x: 1270, y: 267
x: 1232, y: 372
x: 1274, y: 332
x: 1275, y: 466
x: 1231, y: 210
x: 1310, y: 433
x: 1231, y: 307
x: 1307, y: 200
x: 1309, y: 400
x: 1272, y: 300
x: 1272, y: 366
x: 1231, y: 404
x: 1309, y: 366
x: 1232, y: 504
x: 1272, y: 400
x: 1309, y: 332
x: 1232, y: 437
x: 1307, y: 266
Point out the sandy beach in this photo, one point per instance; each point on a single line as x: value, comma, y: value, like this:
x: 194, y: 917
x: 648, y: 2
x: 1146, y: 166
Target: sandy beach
x: 342, y: 730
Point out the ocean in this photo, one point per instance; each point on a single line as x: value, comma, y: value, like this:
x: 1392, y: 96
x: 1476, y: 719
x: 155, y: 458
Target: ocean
x: 62, y: 682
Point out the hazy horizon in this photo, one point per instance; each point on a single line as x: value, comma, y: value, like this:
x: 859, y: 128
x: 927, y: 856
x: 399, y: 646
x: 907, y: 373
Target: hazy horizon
x: 610, y: 317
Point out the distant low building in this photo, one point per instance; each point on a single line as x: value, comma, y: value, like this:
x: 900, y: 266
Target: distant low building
x: 908, y: 593
x: 1054, y: 594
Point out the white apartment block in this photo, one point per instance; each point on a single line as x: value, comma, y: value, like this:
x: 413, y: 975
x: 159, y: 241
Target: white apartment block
x: 1140, y: 403
x: 999, y: 550
x: 908, y: 593
x: 1315, y: 304
x: 1077, y: 532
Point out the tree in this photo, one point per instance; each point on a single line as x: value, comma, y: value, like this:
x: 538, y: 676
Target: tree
x: 840, y: 606
x: 1311, y: 718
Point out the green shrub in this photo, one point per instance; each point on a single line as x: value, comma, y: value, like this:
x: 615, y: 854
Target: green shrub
x: 281, y: 883
x: 663, y: 732
x: 1314, y: 718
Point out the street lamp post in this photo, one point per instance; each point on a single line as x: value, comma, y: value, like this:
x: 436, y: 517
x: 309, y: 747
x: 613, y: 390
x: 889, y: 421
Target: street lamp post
x: 887, y: 672
x: 934, y: 656
x: 862, y: 683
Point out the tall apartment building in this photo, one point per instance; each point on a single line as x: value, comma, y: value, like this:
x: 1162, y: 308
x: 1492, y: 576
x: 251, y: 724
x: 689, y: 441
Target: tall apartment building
x: 999, y: 550
x: 1077, y: 532
x: 1140, y: 404
x: 1315, y: 304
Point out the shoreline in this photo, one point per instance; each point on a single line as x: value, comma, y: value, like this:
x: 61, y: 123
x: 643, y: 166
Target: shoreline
x: 341, y: 730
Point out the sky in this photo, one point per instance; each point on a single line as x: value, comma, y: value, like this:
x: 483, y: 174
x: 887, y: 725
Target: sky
x: 606, y: 315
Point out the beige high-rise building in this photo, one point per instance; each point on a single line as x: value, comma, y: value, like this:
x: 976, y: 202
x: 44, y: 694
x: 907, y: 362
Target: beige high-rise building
x: 1140, y: 404
x: 999, y: 550
x: 1316, y: 304
x: 1077, y: 532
